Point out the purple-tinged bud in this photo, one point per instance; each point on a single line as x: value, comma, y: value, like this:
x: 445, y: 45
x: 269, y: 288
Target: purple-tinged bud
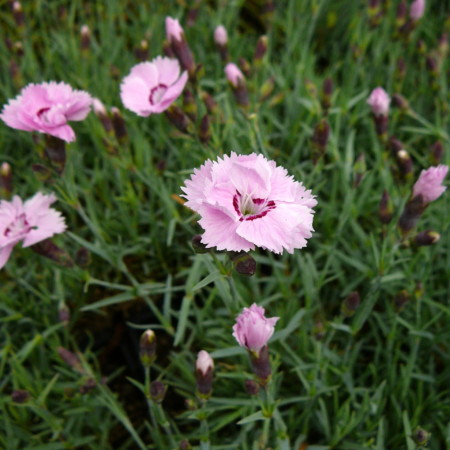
x: 400, y: 69
x: 88, y: 386
x: 245, y: 67
x: 180, y: 120
x: 374, y: 12
x: 267, y: 10
x: 379, y: 102
x: 404, y: 163
x: 20, y: 396
x: 85, y: 38
x: 210, y: 103
x: 401, y: 299
x: 189, y: 105
x: 118, y: 123
x: 63, y: 314
x: 238, y: 84
x: 185, y: 445
x: 267, y: 89
x: 83, y: 257
x: 417, y: 10
x: 157, y: 391
x: 221, y: 40
x: 204, y: 369
x: 319, y: 330
x: 71, y: 360
x: 193, y: 13
x: 5, y: 180
x: 18, y: 49
x: 421, y: 437
x: 261, y: 365
x: 55, y: 153
x: 167, y: 49
x: 350, y: 304
x: 327, y: 92
x: 141, y: 52
x: 411, y: 214
x: 437, y: 152
x: 243, y: 262
x: 18, y: 15
x: 311, y: 88
x: 251, y: 387
x: 425, y: 238
x: 198, y: 246
x: 101, y: 112
x: 50, y: 250
x: 260, y: 51
x: 359, y: 170
x: 147, y: 348
x: 205, y: 130
x: 402, y: 10
x: 320, y: 139
x: 432, y: 63
x: 400, y: 102
x: 385, y: 210
x: 174, y: 31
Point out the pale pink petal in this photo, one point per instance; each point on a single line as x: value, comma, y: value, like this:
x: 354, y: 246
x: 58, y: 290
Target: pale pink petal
x: 11, y: 115
x: 5, y: 253
x: 48, y: 225
x: 147, y: 72
x: 168, y: 70
x: 64, y: 132
x: 194, y: 190
x: 135, y: 95
x: 39, y: 202
x: 79, y: 106
x: 172, y: 93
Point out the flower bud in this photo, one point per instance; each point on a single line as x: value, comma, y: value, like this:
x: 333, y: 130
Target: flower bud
x: 404, y: 163
x: 71, y: 359
x: 261, y: 365
x: 20, y: 396
x: 87, y: 387
x: 177, y: 117
x: 437, y: 152
x: 401, y: 299
x: 425, y: 238
x: 204, y: 130
x: 417, y: 10
x: 320, y: 139
x: 374, y: 13
x: 319, y: 330
x: 327, y: 92
x: 85, y: 38
x: 18, y: 15
x: 400, y: 70
x: 193, y: 13
x: 385, y: 210
x: 63, y: 314
x: 267, y: 89
x: 185, y: 445
x: 402, y: 10
x: 189, y: 105
x: 311, y: 88
x: 50, y: 250
x: 147, y: 348
x: 120, y: 129
x: 102, y: 114
x: 5, y: 180
x: 411, y: 214
x: 243, y: 262
x: 141, y: 52
x: 421, y: 436
x: 379, y: 102
x: 350, y: 304
x: 210, y: 103
x: 260, y: 51
x: 238, y: 84
x: 400, y: 102
x: 245, y: 67
x: 251, y: 387
x: 221, y: 40
x: 204, y: 369
x: 157, y: 391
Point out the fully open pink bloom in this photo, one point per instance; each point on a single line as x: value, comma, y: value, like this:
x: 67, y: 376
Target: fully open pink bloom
x: 379, y: 102
x: 429, y: 184
x: 417, y: 9
x: 29, y: 222
x: 220, y: 35
x: 233, y: 74
x: 47, y: 107
x: 152, y: 87
x: 246, y: 201
x: 252, y: 329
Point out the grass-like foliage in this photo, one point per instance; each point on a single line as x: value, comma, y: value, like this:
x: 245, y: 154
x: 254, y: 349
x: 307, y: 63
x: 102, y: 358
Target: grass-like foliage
x: 372, y: 374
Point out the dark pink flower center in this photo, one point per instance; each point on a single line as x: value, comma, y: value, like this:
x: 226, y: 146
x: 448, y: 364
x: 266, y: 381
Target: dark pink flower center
x: 249, y: 208
x: 18, y: 227
x: 157, y: 93
x: 42, y: 114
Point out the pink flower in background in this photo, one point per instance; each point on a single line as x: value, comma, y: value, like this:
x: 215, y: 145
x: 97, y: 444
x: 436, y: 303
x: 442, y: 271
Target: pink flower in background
x: 252, y: 329
x: 174, y: 31
x: 234, y: 75
x: 379, y: 102
x: 152, y: 87
x: 47, y: 107
x: 417, y: 9
x: 246, y: 201
x: 220, y: 35
x: 29, y: 222
x: 429, y: 184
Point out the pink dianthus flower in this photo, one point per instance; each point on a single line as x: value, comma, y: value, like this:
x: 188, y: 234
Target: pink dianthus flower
x: 151, y: 87
x: 379, y: 102
x: 417, y: 10
x: 29, y: 222
x: 429, y: 183
x: 47, y: 107
x: 252, y: 329
x: 246, y: 201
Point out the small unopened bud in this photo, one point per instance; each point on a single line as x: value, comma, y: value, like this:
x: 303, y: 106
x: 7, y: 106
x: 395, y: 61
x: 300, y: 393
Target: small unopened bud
x: 401, y: 299
x: 320, y: 139
x: 18, y: 48
x: 311, y: 88
x: 327, y: 92
x: 101, y: 112
x: 147, y: 348
x: 411, y: 214
x: 267, y: 89
x: 267, y: 11
x: 237, y: 81
x: 437, y: 152
x: 71, y: 359
x: 193, y: 13
x: 245, y: 67
x: 221, y: 40
x: 50, y: 250
x: 85, y: 36
x: 251, y: 387
x: 198, y: 246
x: 157, y: 391
x: 385, y: 210
x: 424, y: 238
x: 421, y: 436
x: 210, y: 103
x: 400, y: 70
x: 204, y: 368
x: 400, y: 102
x: 83, y: 257
x: 185, y: 445
x: 402, y: 11
x: 374, y: 13
x: 350, y: 304
x: 319, y: 330
x: 243, y: 262
x: 141, y: 51
x: 64, y: 314
x: 180, y: 120
x: 432, y: 63
x: 87, y: 387
x: 189, y: 105
x: 359, y: 169
x: 118, y: 123
x: 260, y: 51
x: 5, y: 180
x: 20, y: 396
x: 404, y: 163
x: 204, y: 130
x: 19, y: 16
